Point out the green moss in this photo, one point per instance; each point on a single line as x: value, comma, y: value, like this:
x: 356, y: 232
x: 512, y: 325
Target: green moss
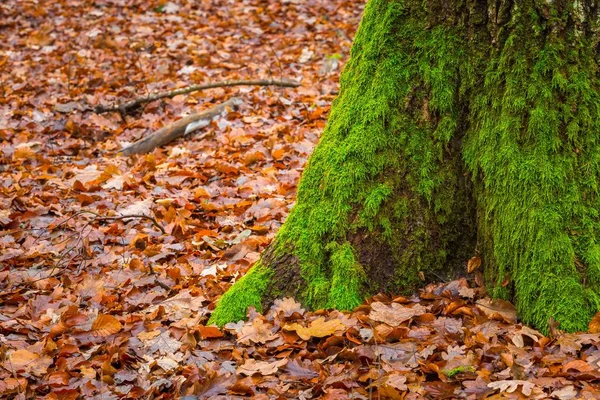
x: 534, y: 151
x: 246, y: 292
x: 372, y: 204
x: 459, y: 370
x: 396, y: 61
x: 347, y: 278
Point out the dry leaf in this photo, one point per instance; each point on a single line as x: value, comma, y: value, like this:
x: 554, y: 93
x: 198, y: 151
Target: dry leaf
x: 288, y: 306
x: 510, y: 386
x: 395, y: 314
x: 317, y: 328
x: 25, y: 360
x: 209, y: 332
x: 565, y: 393
x: 252, y: 367
x: 473, y: 264
x: 498, y: 309
x: 594, y: 325
x: 256, y: 331
x: 105, y: 325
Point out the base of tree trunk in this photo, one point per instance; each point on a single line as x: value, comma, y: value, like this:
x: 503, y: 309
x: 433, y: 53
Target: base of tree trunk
x: 460, y: 129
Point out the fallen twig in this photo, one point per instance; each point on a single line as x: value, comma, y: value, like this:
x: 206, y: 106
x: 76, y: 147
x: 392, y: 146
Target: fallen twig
x: 180, y: 128
x: 123, y: 108
x: 123, y: 217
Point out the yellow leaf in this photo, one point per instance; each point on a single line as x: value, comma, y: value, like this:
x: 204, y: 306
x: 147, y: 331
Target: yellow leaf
x: 318, y: 328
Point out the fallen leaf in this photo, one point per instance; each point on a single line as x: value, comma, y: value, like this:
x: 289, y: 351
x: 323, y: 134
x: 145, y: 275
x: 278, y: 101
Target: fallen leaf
x: 209, y: 332
x: 288, y: 306
x: 511, y: 386
x: 594, y: 325
x: 252, y: 367
x: 565, y: 393
x: 256, y: 331
x: 317, y: 328
x: 395, y: 314
x: 473, y: 264
x: 25, y: 360
x: 498, y: 309
x: 105, y: 325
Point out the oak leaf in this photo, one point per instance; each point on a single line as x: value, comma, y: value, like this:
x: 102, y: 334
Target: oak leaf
x: 395, y: 314
x: 287, y: 306
x: 317, y: 328
x: 256, y: 331
x: 509, y: 386
x: 252, y: 367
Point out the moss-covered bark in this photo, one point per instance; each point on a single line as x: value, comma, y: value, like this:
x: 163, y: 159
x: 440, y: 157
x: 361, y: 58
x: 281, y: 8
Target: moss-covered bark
x: 461, y: 126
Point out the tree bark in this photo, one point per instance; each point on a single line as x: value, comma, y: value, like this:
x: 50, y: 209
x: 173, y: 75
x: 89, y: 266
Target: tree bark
x: 462, y: 127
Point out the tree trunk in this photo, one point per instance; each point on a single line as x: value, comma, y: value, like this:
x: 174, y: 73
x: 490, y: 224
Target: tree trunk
x: 462, y: 127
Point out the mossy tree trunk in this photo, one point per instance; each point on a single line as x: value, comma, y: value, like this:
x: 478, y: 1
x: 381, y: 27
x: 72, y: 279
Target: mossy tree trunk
x: 461, y: 127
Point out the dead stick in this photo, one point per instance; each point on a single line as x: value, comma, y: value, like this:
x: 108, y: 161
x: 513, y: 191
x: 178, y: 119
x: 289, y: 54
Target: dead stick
x: 123, y: 108
x: 180, y: 128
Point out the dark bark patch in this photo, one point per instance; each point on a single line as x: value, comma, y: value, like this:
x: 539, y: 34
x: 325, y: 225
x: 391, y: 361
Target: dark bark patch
x: 377, y: 259
x: 287, y: 278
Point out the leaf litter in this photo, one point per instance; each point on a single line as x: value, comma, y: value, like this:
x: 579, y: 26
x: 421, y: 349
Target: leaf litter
x: 97, y: 305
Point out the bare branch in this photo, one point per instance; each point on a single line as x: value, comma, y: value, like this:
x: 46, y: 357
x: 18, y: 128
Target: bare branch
x: 123, y: 108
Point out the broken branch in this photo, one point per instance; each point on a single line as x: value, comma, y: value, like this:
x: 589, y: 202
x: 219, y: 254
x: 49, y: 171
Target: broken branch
x: 123, y: 108
x: 180, y: 128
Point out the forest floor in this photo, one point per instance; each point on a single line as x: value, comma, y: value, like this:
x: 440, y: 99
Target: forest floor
x: 97, y: 305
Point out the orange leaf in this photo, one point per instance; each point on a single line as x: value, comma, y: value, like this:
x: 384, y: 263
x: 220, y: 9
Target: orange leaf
x: 25, y: 360
x: 209, y: 332
x: 278, y: 154
x: 594, y: 326
x: 105, y: 325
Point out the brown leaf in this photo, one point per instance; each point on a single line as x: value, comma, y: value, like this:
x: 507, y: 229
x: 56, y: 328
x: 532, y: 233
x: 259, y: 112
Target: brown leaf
x: 209, y: 332
x: 12, y: 385
x: 257, y: 331
x: 473, y: 264
x: 498, y: 309
x: 288, y: 306
x: 395, y: 314
x: 509, y: 386
x: 297, y: 371
x: 577, y: 365
x: 251, y: 367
